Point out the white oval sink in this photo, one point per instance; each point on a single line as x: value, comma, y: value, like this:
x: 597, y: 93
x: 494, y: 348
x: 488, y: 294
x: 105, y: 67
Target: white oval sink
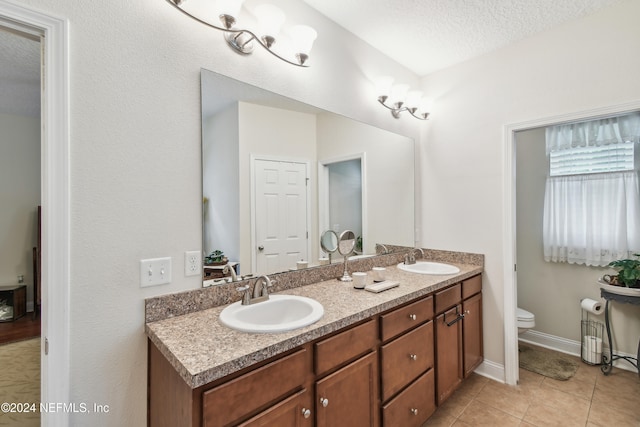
x: 278, y: 314
x: 428, y: 267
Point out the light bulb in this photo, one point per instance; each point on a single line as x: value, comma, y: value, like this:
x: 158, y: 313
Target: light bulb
x: 229, y: 7
x: 383, y: 85
x: 270, y: 19
x: 413, y: 99
x: 399, y: 93
x: 302, y: 37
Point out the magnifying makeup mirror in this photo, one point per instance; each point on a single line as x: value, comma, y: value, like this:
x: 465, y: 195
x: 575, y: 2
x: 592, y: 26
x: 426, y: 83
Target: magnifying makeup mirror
x: 346, y: 243
x: 329, y: 242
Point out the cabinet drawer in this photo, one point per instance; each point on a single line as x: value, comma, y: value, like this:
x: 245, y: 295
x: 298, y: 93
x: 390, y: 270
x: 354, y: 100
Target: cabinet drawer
x: 405, y: 358
x: 294, y: 411
x: 471, y: 286
x: 345, y: 346
x: 405, y: 318
x: 448, y: 298
x: 241, y: 396
x: 414, y: 405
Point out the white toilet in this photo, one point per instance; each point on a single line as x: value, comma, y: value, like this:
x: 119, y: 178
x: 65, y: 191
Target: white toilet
x: 526, y: 320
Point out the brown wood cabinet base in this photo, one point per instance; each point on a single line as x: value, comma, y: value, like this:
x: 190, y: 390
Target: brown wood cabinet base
x: 391, y: 369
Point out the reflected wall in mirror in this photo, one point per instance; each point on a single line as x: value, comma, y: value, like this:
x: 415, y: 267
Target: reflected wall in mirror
x: 278, y: 172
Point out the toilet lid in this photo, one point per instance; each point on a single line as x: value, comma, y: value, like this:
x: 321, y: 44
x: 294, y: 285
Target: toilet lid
x: 524, y: 314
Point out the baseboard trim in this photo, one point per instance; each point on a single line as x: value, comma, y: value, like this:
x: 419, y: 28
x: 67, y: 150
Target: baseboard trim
x: 567, y: 346
x: 491, y: 370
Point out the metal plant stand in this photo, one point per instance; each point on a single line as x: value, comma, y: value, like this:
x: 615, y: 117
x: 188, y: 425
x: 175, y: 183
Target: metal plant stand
x: 607, y: 361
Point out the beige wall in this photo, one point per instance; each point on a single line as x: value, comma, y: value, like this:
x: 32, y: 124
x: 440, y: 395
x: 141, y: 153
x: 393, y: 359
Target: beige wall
x: 19, y: 197
x: 560, y: 71
x: 552, y: 291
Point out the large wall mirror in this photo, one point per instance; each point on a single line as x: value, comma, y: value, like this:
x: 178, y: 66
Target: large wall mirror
x: 278, y: 172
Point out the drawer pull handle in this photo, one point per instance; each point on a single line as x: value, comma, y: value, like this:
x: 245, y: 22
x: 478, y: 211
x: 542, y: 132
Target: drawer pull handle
x: 459, y: 317
x: 413, y: 317
x: 414, y: 411
x: 324, y: 401
x: 413, y: 356
x: 306, y: 412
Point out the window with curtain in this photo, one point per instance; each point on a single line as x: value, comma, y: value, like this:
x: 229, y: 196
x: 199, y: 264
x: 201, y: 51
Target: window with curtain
x: 592, y: 197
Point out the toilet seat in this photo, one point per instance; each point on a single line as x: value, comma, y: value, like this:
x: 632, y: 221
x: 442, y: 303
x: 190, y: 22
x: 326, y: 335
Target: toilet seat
x: 525, y: 319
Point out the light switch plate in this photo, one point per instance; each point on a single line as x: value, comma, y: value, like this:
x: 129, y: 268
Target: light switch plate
x: 155, y: 271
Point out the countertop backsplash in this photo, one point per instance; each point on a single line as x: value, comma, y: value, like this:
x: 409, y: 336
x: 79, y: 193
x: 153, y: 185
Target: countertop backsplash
x: 177, y: 304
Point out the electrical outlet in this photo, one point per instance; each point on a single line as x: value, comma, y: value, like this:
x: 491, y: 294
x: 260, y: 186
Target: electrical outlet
x: 192, y: 263
x: 156, y: 271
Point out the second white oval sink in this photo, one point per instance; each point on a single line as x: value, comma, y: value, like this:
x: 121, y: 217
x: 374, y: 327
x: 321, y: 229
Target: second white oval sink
x: 278, y: 314
x: 429, y: 267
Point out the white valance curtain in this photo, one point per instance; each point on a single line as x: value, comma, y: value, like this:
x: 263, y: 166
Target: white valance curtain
x: 591, y: 219
x: 594, y: 133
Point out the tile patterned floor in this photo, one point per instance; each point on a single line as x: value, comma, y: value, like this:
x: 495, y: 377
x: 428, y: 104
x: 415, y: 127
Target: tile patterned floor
x: 589, y: 398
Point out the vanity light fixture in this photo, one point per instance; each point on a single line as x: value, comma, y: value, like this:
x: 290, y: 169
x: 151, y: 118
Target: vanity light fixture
x: 399, y: 98
x: 270, y: 20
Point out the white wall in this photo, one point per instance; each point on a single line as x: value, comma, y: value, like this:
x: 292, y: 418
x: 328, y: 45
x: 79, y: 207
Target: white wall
x: 19, y: 197
x: 579, y: 66
x: 135, y: 164
x: 552, y: 291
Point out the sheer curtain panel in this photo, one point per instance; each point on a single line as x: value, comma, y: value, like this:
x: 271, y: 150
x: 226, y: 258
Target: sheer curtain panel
x: 591, y: 219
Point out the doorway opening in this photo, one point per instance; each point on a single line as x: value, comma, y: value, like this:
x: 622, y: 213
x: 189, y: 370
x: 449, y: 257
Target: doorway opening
x: 54, y: 168
x: 510, y: 242
x: 342, y: 196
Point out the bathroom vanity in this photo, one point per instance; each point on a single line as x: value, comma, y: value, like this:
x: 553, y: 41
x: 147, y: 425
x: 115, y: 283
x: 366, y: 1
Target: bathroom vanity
x: 373, y: 359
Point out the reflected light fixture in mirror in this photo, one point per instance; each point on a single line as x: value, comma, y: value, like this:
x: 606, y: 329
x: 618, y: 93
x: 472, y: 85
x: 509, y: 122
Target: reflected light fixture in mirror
x: 270, y: 21
x: 399, y: 98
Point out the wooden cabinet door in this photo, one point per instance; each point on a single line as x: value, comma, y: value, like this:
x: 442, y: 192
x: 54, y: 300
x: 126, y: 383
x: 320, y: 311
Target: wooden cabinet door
x: 472, y: 333
x: 348, y: 397
x: 295, y: 411
x: 448, y: 353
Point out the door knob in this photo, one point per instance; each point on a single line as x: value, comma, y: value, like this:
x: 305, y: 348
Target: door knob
x: 261, y: 248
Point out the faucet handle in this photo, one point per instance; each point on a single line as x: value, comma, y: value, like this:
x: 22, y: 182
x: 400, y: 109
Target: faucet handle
x: 246, y: 296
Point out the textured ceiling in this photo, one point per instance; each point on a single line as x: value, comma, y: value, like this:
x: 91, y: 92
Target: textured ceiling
x: 19, y: 75
x: 428, y: 35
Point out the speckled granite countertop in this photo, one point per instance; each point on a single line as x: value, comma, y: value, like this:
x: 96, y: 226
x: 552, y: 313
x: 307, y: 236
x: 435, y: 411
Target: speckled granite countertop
x: 202, y: 350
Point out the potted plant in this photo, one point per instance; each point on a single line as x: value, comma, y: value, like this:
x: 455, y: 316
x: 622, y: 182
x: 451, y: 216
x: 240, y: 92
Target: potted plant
x: 628, y: 272
x: 215, y: 258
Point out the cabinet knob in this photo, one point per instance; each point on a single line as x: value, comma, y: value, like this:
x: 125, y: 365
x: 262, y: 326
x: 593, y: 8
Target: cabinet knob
x: 413, y: 317
x: 306, y: 412
x: 414, y: 411
x: 413, y: 356
x: 467, y: 312
x: 324, y: 401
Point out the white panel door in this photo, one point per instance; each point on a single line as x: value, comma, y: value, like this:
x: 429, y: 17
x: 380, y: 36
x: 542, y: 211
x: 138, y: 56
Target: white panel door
x: 281, y: 215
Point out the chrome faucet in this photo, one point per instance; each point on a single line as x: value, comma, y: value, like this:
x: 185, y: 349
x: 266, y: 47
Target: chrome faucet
x: 228, y: 269
x: 383, y: 249
x: 260, y: 291
x: 410, y: 258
